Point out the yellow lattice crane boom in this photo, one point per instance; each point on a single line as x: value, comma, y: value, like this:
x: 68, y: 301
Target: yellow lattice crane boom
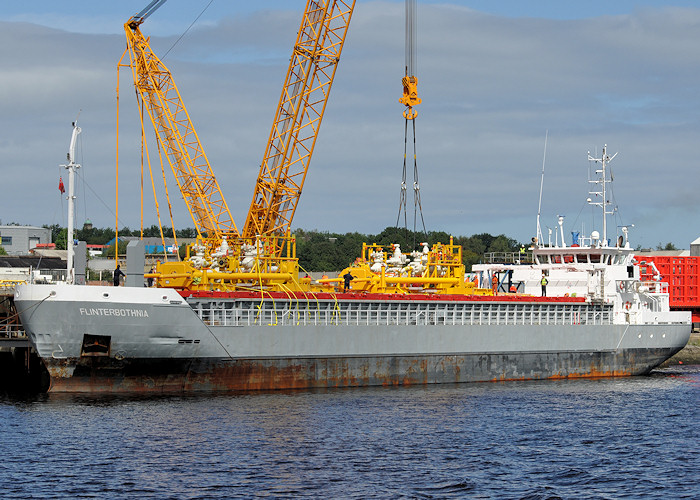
x: 295, y: 128
x: 176, y: 134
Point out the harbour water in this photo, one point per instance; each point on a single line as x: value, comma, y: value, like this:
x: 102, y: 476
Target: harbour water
x: 602, y: 438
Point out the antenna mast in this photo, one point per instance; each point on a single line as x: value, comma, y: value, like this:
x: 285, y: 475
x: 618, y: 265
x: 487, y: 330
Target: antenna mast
x: 602, y: 181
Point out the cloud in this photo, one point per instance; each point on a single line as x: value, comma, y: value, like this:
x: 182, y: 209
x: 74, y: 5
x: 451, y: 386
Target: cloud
x: 491, y: 86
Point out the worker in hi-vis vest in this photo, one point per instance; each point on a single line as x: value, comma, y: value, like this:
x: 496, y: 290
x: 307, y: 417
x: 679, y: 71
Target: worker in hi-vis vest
x: 544, y: 282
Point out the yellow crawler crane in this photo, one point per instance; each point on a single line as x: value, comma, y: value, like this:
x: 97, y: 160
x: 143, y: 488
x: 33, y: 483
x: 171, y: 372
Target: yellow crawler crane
x: 263, y: 255
x: 436, y: 270
x: 222, y: 258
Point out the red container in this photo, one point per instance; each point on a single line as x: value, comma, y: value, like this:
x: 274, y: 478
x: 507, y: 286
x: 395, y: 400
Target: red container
x: 682, y: 275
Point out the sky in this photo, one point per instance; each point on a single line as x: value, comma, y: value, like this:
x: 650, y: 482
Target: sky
x: 495, y: 78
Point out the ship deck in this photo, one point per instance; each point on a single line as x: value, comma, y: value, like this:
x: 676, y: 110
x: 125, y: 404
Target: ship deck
x: 294, y: 309
x: 381, y: 297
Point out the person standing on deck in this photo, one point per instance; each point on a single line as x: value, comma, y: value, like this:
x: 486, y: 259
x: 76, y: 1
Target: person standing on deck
x: 117, y: 275
x: 347, y: 278
x: 544, y: 282
x: 150, y: 278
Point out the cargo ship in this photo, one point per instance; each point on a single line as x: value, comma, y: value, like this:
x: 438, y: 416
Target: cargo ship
x: 121, y: 339
x: 235, y: 313
x: 597, y: 320
x: 239, y: 323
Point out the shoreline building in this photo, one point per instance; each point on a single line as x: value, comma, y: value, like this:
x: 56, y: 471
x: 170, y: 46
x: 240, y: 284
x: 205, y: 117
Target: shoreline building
x: 19, y: 240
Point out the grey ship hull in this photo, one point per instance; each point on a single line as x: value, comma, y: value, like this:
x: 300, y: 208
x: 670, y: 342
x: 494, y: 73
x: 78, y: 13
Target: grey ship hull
x: 102, y: 339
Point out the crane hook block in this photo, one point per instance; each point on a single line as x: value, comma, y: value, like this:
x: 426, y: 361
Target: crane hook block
x: 410, y: 96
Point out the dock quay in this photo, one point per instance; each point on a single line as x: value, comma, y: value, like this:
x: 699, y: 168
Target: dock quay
x: 689, y: 355
x: 13, y: 338
x: 12, y: 333
x: 21, y: 370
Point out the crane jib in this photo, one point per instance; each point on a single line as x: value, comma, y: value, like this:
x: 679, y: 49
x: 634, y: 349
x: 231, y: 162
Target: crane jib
x: 141, y: 16
x: 302, y: 103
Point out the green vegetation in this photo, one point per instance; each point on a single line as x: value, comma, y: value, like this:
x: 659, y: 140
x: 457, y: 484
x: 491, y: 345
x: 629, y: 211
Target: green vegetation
x: 108, y: 251
x: 98, y: 236
x: 317, y: 250
x: 324, y: 251
x: 669, y: 246
x: 3, y: 251
x: 60, y: 238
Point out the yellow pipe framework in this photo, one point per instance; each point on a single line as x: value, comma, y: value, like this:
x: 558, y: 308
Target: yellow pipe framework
x: 214, y: 275
x: 395, y: 280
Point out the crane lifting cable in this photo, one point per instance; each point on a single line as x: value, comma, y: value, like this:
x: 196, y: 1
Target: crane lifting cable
x: 410, y: 82
x: 410, y: 99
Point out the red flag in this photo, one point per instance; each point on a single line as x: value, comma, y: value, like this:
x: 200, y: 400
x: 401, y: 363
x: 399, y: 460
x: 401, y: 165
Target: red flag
x: 61, y: 187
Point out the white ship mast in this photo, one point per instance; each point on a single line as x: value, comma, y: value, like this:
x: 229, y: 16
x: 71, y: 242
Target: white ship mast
x: 602, y: 181
x: 71, y: 167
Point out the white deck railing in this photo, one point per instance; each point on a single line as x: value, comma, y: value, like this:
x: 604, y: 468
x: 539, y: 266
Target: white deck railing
x: 281, y: 313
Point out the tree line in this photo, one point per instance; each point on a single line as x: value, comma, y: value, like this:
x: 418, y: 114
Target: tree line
x: 319, y: 250
x: 326, y: 251
x: 323, y: 250
x: 101, y: 236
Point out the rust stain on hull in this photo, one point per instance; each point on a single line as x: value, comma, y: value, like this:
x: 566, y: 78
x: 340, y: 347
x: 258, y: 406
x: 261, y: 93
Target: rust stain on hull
x: 107, y: 375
